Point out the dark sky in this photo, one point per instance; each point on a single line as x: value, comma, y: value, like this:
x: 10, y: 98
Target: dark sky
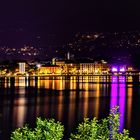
x: 73, y: 13
x: 64, y: 17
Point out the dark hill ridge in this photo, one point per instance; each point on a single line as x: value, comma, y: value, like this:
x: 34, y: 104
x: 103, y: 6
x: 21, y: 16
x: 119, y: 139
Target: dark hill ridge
x: 113, y: 46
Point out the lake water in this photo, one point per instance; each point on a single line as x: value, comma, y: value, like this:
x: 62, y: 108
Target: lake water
x: 68, y: 100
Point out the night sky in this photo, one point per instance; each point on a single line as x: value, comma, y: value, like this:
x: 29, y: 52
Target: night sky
x: 64, y: 17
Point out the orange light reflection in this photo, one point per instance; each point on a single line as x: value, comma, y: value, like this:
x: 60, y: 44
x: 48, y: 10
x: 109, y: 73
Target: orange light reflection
x: 129, y: 105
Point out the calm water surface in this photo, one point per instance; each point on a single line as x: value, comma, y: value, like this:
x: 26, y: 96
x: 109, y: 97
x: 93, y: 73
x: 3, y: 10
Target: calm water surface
x: 68, y: 100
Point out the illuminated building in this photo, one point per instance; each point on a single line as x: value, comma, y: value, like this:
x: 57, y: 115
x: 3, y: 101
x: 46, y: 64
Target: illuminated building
x: 105, y: 67
x: 94, y: 68
x: 68, y: 66
x: 83, y: 67
x: 22, y: 67
x: 86, y: 68
x: 62, y: 64
x: 52, y: 69
x: 72, y: 67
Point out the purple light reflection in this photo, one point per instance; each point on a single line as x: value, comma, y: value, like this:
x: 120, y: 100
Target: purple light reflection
x: 122, y: 79
x: 114, y: 92
x: 114, y: 79
x: 122, y: 95
x: 118, y: 95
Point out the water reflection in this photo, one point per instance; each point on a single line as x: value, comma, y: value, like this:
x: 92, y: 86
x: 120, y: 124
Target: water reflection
x: 68, y: 100
x: 53, y: 84
x: 129, y: 105
x: 19, y: 112
x: 118, y: 93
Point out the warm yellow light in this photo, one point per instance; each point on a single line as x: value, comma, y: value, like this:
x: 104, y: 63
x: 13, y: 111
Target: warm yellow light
x: 130, y: 68
x: 96, y: 71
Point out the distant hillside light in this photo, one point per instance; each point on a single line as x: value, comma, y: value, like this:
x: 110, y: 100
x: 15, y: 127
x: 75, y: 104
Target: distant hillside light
x: 138, y: 40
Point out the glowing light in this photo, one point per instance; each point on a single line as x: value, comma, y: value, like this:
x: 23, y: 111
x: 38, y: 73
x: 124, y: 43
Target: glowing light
x: 96, y: 71
x: 130, y: 68
x: 114, y: 69
x: 38, y: 65
x: 122, y: 69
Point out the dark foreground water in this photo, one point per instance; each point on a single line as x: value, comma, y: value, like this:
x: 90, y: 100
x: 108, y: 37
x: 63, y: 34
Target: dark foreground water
x: 68, y: 100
